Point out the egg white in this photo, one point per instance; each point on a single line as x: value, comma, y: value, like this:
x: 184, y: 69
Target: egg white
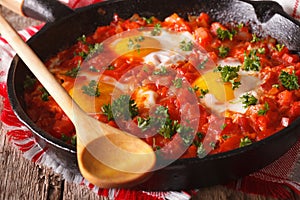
x: 249, y: 85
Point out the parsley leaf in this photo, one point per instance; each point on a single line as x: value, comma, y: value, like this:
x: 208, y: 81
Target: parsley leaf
x: 255, y: 38
x: 91, y: 89
x: 124, y: 107
x: 223, y: 51
x: 186, y: 46
x: 201, y: 151
x: 224, y: 34
x: 45, y: 94
x: 265, y: 110
x: 245, y: 142
x: 251, y: 61
x: 229, y: 74
x: 289, y: 81
x: 203, y: 63
x: 73, y: 72
x: 177, y: 82
x: 279, y: 47
x: 163, y: 71
x: 29, y: 82
x: 157, y: 30
x: 203, y: 92
x: 161, y: 122
x: 248, y: 100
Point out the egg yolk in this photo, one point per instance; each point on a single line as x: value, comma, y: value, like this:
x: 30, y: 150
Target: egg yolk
x: 136, y: 46
x: 92, y: 104
x: 212, y: 82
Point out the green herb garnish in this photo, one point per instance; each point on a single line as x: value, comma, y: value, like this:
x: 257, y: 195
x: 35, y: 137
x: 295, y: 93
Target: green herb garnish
x: 245, y: 142
x: 122, y: 108
x: 265, y: 110
x: 73, y: 72
x: 224, y: 34
x: 289, y: 81
x: 45, y: 94
x: 255, y: 38
x: 203, y: 92
x: 162, y: 71
x: 223, y: 51
x: 177, y: 82
x: 157, y: 29
x: 186, y: 46
x: 29, y: 82
x: 91, y: 89
x: 251, y: 61
x: 248, y: 100
x: 229, y: 74
x: 279, y: 47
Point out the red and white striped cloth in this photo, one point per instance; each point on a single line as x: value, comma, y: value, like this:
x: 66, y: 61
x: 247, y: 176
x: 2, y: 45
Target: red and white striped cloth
x: 273, y: 180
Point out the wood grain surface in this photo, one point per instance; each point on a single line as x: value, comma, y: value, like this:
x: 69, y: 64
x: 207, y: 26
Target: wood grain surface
x: 22, y: 179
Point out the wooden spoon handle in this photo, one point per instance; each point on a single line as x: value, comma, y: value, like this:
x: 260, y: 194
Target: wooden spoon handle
x: 39, y: 70
x: 13, y: 5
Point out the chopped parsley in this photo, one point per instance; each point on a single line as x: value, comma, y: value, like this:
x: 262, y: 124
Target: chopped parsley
x: 251, y: 61
x: 148, y: 20
x: 279, y: 47
x: 255, y: 38
x: 82, y: 39
x: 122, y: 108
x: 93, y: 48
x: 96, y: 48
x: 157, y: 30
x: 223, y: 51
x: 45, y: 94
x: 29, y: 82
x: 161, y: 121
x: 91, y: 89
x: 201, y: 152
x: 162, y: 71
x: 73, y: 72
x: 203, y: 63
x: 193, y: 89
x: 289, y: 81
x: 177, y: 82
x: 106, y: 109
x: 203, y: 92
x: 67, y: 138
x: 265, y: 110
x: 186, y: 46
x: 248, y: 100
x: 261, y: 50
x: 229, y: 74
x: 245, y: 142
x: 224, y: 34
x: 133, y: 44
x: 186, y: 134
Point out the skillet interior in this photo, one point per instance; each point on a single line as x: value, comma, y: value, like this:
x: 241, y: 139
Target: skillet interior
x: 186, y: 173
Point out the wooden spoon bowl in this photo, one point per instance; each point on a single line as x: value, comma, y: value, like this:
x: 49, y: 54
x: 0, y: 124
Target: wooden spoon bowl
x: 107, y: 157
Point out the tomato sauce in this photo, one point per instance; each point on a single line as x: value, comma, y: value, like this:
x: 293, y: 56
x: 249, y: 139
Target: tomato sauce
x: 171, y: 106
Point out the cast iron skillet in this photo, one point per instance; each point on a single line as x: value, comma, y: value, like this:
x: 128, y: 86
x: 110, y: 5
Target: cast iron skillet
x: 266, y: 18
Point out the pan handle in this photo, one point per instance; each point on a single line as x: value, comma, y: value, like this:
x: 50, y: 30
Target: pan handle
x: 43, y: 10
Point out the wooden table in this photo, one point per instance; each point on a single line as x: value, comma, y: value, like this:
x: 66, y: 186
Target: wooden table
x: 22, y: 179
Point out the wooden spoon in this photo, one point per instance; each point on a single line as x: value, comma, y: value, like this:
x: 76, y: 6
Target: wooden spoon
x: 107, y: 157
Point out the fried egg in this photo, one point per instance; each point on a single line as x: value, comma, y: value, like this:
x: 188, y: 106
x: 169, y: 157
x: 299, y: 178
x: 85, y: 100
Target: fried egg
x: 165, y: 48
x: 221, y: 97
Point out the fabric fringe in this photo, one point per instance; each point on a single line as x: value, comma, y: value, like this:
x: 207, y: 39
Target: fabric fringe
x: 254, y: 185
